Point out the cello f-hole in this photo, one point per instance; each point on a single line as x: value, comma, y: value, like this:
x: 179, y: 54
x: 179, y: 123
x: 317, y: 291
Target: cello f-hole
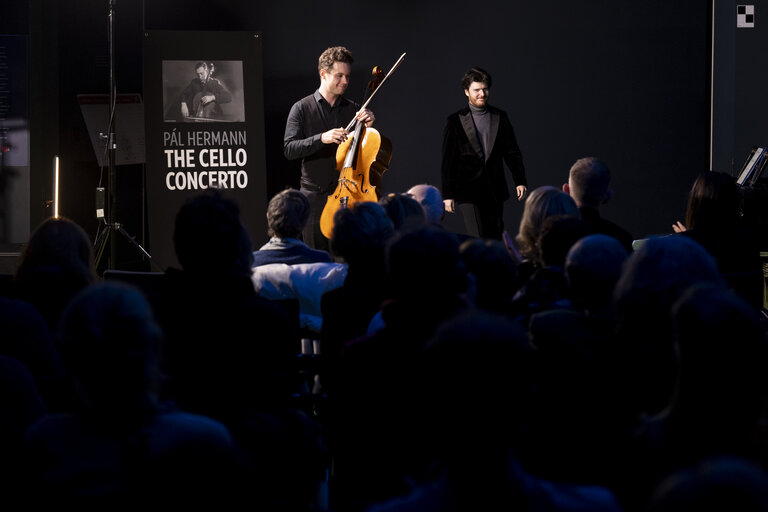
x: 362, y: 183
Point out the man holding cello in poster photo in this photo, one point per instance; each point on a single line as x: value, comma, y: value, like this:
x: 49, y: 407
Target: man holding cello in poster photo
x: 201, y: 99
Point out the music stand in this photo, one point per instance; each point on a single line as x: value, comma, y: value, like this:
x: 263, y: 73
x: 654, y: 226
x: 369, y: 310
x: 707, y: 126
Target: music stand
x: 111, y: 226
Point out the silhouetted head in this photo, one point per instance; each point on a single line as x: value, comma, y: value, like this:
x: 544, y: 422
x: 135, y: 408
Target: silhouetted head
x: 209, y: 237
x: 477, y: 366
x: 592, y: 267
x: 109, y: 340
x: 287, y: 214
x: 406, y: 213
x: 589, y: 182
x: 722, y: 483
x: 722, y: 351
x: 431, y: 201
x: 713, y: 201
x: 494, y: 269
x: 424, y: 264
x: 360, y: 233
x: 543, y: 202
x: 655, y: 275
x: 58, y: 247
x: 653, y: 278
x: 558, y: 234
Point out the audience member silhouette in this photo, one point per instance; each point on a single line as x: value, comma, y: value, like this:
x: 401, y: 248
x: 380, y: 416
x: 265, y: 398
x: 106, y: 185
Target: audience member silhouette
x: 20, y: 405
x: 653, y: 278
x: 371, y: 406
x: 27, y: 338
x: 558, y: 234
x: 430, y: 199
x: 56, y: 264
x: 719, y: 483
x: 546, y: 287
x: 722, y: 388
x: 577, y: 434
x: 231, y: 355
x: 225, y: 344
x: 589, y: 184
x: 543, y: 202
x: 360, y: 235
x: 405, y: 212
x: 287, y: 215
x: 713, y: 218
x: 494, y: 273
x: 476, y: 390
x: 110, y: 448
x: 592, y: 267
x: 583, y: 363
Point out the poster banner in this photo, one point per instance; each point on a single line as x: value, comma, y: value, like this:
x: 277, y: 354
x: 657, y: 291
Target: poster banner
x: 204, y: 123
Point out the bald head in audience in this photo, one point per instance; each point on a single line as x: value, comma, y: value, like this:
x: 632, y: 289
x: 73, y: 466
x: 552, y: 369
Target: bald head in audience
x: 431, y: 200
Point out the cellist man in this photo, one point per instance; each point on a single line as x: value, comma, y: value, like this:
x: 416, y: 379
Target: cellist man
x: 315, y: 128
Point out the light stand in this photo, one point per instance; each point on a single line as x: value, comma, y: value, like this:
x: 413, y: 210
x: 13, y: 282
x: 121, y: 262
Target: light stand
x: 112, y: 226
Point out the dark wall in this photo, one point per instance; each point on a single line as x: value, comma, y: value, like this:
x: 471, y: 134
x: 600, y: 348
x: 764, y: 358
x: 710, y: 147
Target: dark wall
x: 624, y: 81
x: 740, y: 83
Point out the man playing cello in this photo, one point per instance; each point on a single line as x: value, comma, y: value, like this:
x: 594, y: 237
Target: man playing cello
x: 313, y: 131
x: 200, y: 100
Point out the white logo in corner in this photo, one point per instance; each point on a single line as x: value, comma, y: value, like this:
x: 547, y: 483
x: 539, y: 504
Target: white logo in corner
x: 745, y: 16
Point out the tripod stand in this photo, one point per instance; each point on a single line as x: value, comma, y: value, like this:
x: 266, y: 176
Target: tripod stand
x: 112, y: 227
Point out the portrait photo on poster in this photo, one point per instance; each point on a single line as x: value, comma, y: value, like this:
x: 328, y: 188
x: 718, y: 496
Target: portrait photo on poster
x: 203, y: 91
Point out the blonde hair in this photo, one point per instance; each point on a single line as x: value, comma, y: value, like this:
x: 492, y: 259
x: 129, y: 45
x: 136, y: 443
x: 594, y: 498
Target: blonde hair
x: 543, y: 202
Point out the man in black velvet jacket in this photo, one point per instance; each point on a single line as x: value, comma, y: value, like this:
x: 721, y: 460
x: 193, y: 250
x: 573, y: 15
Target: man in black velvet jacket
x: 477, y: 140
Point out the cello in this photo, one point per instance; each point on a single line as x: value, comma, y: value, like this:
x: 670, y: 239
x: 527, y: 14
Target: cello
x: 361, y: 161
x: 203, y: 110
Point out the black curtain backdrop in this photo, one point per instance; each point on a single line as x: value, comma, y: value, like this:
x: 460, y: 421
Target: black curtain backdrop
x: 625, y: 81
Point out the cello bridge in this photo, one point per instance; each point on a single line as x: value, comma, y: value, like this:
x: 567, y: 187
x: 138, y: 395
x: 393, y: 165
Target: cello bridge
x: 350, y: 185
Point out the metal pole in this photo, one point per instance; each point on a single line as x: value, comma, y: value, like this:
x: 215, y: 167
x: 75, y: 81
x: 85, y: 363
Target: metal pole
x: 111, y: 180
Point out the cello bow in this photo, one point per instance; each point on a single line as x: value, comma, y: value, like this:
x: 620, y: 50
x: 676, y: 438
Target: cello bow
x: 394, y: 67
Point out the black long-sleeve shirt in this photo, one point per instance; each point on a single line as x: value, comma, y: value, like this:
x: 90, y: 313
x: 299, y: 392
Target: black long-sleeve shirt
x: 307, y: 120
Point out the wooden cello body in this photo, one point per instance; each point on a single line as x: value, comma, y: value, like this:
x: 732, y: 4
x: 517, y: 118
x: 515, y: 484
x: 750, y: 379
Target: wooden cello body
x: 361, y: 160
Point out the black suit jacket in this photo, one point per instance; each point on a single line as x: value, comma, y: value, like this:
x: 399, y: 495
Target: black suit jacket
x: 467, y: 176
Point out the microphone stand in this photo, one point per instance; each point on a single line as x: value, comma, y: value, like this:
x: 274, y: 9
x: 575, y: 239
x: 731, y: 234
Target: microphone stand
x: 112, y: 226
